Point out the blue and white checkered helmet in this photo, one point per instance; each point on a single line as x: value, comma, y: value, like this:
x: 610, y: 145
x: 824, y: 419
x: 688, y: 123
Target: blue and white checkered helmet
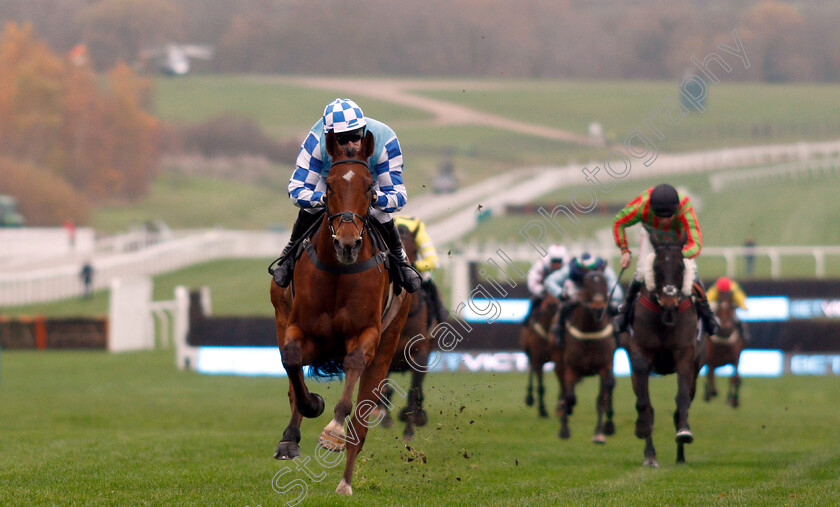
x: 343, y: 115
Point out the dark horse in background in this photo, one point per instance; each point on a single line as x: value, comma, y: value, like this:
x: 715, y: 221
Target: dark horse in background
x: 725, y: 348
x: 588, y: 347
x: 665, y: 341
x: 339, y: 314
x: 413, y: 351
x: 538, y: 344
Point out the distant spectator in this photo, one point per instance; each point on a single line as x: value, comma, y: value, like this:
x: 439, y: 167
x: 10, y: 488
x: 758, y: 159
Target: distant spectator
x: 749, y: 258
x: 86, y: 274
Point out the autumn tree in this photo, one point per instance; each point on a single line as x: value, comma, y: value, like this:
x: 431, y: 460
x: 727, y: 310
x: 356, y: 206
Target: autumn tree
x: 56, y: 116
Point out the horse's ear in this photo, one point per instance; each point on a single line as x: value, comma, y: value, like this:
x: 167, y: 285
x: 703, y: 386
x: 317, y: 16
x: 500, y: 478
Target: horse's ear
x: 655, y: 238
x: 332, y: 144
x: 368, y: 144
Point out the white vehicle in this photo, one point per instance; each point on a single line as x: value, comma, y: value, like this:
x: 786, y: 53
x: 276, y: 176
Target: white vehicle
x: 174, y: 59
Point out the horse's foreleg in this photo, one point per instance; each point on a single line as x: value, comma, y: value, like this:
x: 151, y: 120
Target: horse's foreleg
x: 650, y: 454
x: 288, y: 447
x: 644, y: 410
x: 734, y: 387
x: 541, y: 393
x: 529, y: 390
x: 355, y: 362
x: 570, y: 378
x: 383, y: 408
x: 711, y: 391
x: 370, y: 387
x: 686, y: 382
x: 605, y: 407
x: 309, y: 404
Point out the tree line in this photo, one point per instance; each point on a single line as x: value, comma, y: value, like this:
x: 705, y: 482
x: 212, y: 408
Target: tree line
x: 598, y: 39
x: 68, y: 138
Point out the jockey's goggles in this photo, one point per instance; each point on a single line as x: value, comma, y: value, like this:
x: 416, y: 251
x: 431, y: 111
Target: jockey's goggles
x: 351, y: 136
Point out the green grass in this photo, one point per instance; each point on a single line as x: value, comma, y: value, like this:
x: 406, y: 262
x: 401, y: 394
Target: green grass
x: 282, y: 109
x: 191, y: 202
x: 736, y: 113
x: 91, y: 428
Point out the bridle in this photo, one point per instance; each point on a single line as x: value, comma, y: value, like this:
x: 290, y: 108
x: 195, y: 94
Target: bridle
x: 347, y: 216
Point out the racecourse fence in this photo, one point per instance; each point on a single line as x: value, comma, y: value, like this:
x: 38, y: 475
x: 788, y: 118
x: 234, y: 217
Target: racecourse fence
x: 59, y: 279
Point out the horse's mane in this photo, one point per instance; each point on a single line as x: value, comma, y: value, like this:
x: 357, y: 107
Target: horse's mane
x: 688, y: 275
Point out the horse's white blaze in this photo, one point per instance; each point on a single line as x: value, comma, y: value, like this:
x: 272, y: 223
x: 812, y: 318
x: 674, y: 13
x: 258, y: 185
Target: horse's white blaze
x: 344, y: 488
x: 348, y: 177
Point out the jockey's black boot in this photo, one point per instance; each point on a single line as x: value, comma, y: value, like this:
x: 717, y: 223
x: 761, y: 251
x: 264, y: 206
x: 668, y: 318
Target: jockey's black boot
x: 440, y: 309
x: 286, y: 264
x: 558, y: 329
x: 410, y: 277
x: 742, y: 329
x: 620, y: 321
x: 704, y: 310
x: 536, y: 301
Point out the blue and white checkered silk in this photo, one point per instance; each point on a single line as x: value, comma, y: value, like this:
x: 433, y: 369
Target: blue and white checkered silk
x: 343, y: 115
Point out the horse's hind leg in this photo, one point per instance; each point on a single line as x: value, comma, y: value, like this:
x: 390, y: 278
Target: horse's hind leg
x: 288, y: 447
x: 382, y: 408
x: 411, y: 414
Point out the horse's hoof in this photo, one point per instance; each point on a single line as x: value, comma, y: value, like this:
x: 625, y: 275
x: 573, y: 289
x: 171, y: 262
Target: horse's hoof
x: 378, y: 416
x: 387, y: 422
x: 543, y: 413
x: 565, y: 433
x: 287, y: 450
x: 408, y: 436
x: 599, y: 439
x: 642, y: 431
x: 421, y: 418
x: 344, y: 488
x: 314, y: 408
x: 609, y: 428
x: 650, y: 462
x: 333, y: 437
x: 405, y: 413
x: 685, y: 437
x: 529, y: 400
x: 733, y: 402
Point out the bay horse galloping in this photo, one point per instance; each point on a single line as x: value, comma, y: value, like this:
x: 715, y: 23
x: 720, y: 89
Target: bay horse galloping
x: 664, y: 340
x: 725, y: 348
x: 588, y: 347
x: 536, y: 340
x: 336, y: 314
x: 413, y: 350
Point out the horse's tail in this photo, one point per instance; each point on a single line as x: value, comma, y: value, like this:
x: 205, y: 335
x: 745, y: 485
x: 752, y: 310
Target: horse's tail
x: 327, y: 370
